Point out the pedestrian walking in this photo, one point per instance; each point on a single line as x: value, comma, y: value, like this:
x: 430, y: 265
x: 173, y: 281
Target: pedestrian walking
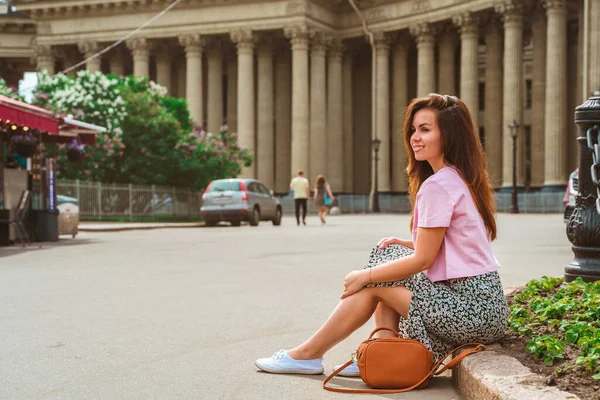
x: 322, y: 198
x: 301, y: 188
x: 441, y: 287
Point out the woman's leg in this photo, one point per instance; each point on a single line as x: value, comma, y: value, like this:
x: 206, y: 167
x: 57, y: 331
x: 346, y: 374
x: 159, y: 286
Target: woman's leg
x: 349, y: 315
x: 386, y: 317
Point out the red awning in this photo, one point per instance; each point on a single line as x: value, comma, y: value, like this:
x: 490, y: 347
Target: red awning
x: 23, y: 114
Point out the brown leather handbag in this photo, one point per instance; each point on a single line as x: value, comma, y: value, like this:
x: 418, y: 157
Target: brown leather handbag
x: 396, y: 364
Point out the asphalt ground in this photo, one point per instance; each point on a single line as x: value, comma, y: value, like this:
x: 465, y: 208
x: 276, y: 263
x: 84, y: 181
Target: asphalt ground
x: 183, y: 313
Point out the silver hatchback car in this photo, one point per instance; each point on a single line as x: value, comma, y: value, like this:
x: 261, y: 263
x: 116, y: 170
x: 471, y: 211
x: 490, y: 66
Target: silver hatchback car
x: 237, y: 200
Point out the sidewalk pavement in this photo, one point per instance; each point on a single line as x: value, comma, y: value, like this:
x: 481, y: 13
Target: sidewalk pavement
x: 487, y: 375
x: 126, y: 226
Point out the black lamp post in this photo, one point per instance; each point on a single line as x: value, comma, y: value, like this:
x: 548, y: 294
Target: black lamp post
x: 582, y: 228
x: 375, y: 200
x: 514, y: 126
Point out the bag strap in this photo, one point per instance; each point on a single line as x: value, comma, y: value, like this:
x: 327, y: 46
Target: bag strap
x: 476, y: 347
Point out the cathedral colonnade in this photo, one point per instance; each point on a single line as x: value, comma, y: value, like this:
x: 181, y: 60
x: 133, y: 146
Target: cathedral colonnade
x: 299, y: 92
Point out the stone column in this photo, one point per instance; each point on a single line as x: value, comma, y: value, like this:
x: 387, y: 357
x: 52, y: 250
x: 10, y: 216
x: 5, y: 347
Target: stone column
x: 244, y: 38
x: 425, y: 37
x: 512, y: 108
x: 348, y: 119
x: 318, y: 107
x: 163, y: 57
x: 115, y: 61
x: 88, y: 49
x: 556, y: 95
x: 140, y: 50
x: 399, y: 104
x: 469, y: 65
x: 182, y: 78
x: 494, y: 130
x: 193, y: 45
x: 447, y: 64
x: 335, y: 135
x: 538, y: 98
x: 299, y: 36
x: 593, y: 34
x: 283, y: 119
x: 45, y: 58
x: 265, y: 141
x: 382, y: 113
x: 232, y: 92
x: 214, y: 101
x: 574, y: 70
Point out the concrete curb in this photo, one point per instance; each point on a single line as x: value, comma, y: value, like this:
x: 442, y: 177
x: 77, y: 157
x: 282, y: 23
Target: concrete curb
x: 492, y: 376
x: 141, y: 226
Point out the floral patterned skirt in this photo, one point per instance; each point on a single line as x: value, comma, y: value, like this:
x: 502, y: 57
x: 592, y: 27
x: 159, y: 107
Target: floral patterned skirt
x: 443, y: 315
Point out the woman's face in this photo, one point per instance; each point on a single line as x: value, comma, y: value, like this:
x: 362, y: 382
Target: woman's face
x: 425, y: 138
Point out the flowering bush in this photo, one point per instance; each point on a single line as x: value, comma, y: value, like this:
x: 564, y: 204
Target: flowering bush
x: 90, y: 97
x: 11, y: 91
x: 205, y: 156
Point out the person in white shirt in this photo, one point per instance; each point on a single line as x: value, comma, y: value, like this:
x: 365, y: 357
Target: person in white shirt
x: 301, y: 189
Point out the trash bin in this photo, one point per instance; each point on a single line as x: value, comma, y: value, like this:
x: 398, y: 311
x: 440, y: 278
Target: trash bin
x: 68, y: 217
x: 43, y: 225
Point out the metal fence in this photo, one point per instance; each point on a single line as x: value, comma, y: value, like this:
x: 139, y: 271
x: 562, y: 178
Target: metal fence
x: 110, y: 201
x: 102, y: 201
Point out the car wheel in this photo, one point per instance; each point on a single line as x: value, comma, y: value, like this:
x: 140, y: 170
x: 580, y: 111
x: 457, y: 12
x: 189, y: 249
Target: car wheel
x: 255, y: 217
x: 236, y: 223
x: 277, y: 219
x: 211, y: 223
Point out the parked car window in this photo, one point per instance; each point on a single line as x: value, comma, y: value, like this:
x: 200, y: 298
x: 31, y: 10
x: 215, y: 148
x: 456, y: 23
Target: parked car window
x: 221, y: 186
x: 252, y: 187
x: 264, y: 189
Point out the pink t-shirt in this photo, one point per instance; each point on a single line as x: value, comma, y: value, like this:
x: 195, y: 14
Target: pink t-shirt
x: 444, y: 200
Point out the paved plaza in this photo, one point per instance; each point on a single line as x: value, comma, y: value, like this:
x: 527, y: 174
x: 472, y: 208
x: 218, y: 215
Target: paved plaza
x: 183, y: 313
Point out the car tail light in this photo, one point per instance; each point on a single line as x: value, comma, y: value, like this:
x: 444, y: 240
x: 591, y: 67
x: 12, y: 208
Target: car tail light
x: 244, y: 191
x: 206, y: 192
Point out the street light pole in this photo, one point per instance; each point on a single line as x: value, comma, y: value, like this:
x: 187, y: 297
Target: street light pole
x: 514, y: 208
x: 375, y: 201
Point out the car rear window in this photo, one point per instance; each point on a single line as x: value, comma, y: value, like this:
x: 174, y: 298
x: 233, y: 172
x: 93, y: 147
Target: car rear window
x: 224, y: 185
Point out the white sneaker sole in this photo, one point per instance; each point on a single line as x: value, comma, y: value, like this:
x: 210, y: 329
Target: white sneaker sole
x: 290, y: 371
x: 347, y: 374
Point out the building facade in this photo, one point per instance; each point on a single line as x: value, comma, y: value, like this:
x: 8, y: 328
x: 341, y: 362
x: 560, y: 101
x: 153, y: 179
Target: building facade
x: 295, y: 78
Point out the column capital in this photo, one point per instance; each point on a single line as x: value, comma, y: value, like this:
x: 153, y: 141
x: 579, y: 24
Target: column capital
x: 336, y: 47
x: 88, y: 48
x: 510, y: 10
x: 383, y: 40
x: 555, y: 5
x: 162, y: 51
x: 43, y: 50
x: 243, y: 38
x: 265, y: 42
x: 192, y: 44
x: 467, y: 24
x: 139, y: 46
x: 423, y: 33
x: 298, y: 34
x: 493, y: 27
x: 319, y: 42
x: 213, y: 45
x: 402, y: 39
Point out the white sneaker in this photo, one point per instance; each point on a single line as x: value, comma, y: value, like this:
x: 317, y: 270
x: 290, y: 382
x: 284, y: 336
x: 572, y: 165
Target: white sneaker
x: 351, y: 370
x: 281, y: 363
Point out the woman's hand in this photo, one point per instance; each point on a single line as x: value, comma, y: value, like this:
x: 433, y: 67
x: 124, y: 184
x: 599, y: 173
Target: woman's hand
x: 354, y: 282
x: 383, y: 243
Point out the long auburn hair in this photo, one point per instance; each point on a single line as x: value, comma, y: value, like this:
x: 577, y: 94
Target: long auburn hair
x: 461, y: 148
